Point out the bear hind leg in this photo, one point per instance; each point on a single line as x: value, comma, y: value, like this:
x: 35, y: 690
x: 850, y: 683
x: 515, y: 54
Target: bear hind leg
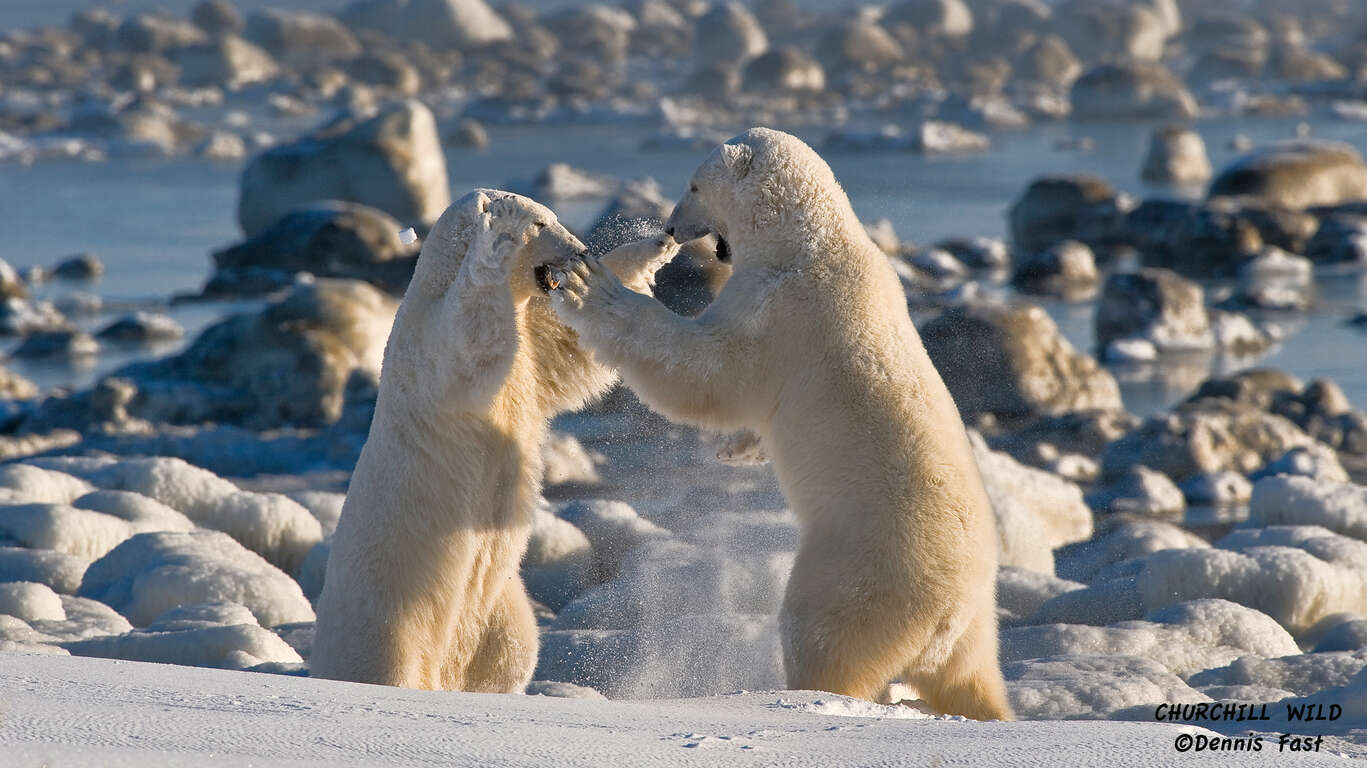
x: 970, y: 682
x: 506, y: 656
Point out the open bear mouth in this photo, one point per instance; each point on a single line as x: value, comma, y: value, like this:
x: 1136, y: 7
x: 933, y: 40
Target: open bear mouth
x: 723, y: 250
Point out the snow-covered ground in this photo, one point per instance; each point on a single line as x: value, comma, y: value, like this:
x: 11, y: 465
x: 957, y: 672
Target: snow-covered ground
x: 74, y: 712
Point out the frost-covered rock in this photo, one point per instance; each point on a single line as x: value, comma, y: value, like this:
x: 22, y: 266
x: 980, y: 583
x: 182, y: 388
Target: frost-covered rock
x: 558, y: 564
x: 301, y: 38
x: 237, y: 646
x: 1296, y: 174
x: 1340, y: 239
x: 1131, y: 90
x: 392, y: 162
x: 1204, y: 437
x: 1339, y: 506
x: 1012, y: 361
x: 1140, y: 491
x: 1316, y: 461
x: 1154, y: 305
x: 142, y: 328
x: 1021, y: 591
x: 1036, y: 511
x: 57, y: 344
x: 57, y: 570
x: 1056, y: 208
x: 1176, y: 155
x: 439, y: 24
x: 1090, y: 687
x: 728, y: 33
x: 1340, y: 632
x: 784, y: 70
x: 16, y: 636
x: 1301, y: 674
x: 21, y: 317
x: 83, y: 619
x: 327, y: 239
x: 1185, y: 638
x: 1121, y: 541
x: 613, y: 528
x: 152, y: 573
x: 27, y: 483
x: 1217, y: 489
x: 270, y: 524
x: 932, y: 18
x: 227, y: 61
x: 1066, y: 269
x: 30, y: 601
x: 290, y: 363
x: 1101, y: 30
x: 565, y: 460
x: 1296, y: 575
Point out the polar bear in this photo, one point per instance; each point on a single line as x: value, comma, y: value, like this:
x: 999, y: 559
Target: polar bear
x: 809, y: 346
x: 422, y: 586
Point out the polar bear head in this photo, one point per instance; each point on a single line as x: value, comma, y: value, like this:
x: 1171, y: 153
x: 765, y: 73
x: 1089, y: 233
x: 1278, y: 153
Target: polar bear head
x: 542, y: 238
x: 759, y: 183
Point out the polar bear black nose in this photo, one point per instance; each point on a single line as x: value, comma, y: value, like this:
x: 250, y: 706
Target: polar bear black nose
x: 669, y: 231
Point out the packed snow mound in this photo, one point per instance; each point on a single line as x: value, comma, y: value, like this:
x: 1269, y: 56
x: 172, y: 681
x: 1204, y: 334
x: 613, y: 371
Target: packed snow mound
x: 565, y: 460
x: 1297, y: 575
x: 1036, y: 511
x: 152, y: 573
x: 1339, y: 632
x: 1301, y: 674
x: 1184, y: 638
x: 1292, y: 500
x: 325, y: 506
x: 1091, y: 687
x: 1123, y: 540
x: 58, y: 570
x: 27, y: 483
x: 30, y: 602
x: 144, y: 513
x: 270, y: 524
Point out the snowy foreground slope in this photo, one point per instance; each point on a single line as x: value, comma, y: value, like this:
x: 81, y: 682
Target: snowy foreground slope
x: 69, y: 711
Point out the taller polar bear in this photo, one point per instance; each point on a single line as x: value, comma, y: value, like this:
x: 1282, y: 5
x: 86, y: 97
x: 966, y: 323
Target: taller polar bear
x: 809, y: 345
x: 422, y: 586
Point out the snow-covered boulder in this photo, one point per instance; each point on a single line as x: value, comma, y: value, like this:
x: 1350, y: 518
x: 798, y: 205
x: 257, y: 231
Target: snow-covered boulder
x: 1068, y: 207
x: 152, y: 573
x: 1066, y: 269
x: 213, y: 635
x: 1297, y: 500
x: 30, y: 602
x: 1131, y: 90
x: 226, y: 62
x: 1021, y: 592
x: 1140, y: 491
x: 392, y: 161
x: 26, y: 483
x: 60, y: 571
x: 301, y: 38
x: 728, y: 33
x: 1301, y: 674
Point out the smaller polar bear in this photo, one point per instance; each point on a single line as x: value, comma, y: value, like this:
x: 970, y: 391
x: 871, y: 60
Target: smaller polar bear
x: 422, y: 586
x: 810, y: 348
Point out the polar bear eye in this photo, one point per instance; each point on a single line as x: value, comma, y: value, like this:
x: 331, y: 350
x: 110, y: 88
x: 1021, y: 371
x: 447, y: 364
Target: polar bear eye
x: 538, y: 225
x: 693, y: 188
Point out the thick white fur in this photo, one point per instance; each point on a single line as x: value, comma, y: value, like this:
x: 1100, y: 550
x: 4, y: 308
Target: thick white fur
x: 810, y: 346
x: 422, y: 586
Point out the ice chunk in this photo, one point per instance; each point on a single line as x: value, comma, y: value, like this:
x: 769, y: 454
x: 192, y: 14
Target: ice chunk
x: 30, y: 602
x: 408, y: 236
x: 58, y: 570
x: 562, y: 690
x: 152, y: 573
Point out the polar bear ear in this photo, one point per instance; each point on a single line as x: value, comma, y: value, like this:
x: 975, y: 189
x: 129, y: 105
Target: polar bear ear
x: 482, y: 203
x: 737, y: 157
